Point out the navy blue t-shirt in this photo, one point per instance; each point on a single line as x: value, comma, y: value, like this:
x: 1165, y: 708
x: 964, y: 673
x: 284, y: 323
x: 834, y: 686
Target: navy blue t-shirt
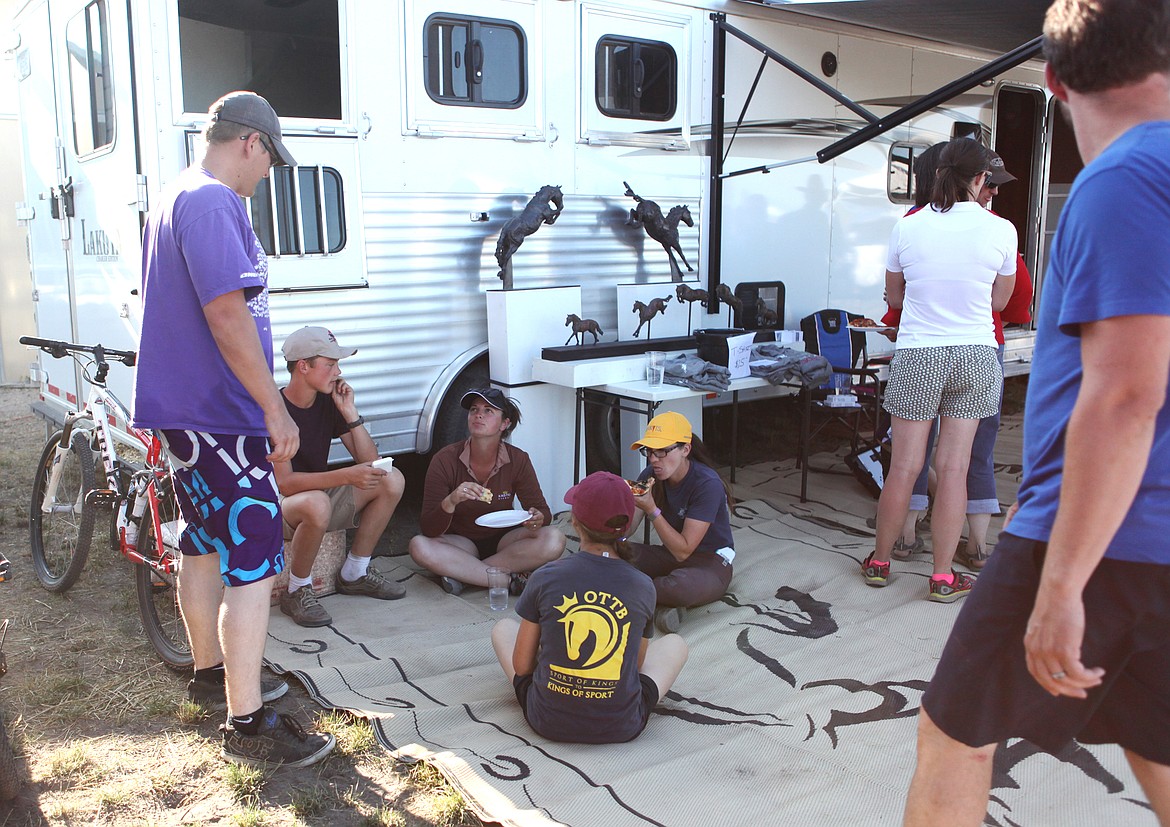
x: 701, y: 496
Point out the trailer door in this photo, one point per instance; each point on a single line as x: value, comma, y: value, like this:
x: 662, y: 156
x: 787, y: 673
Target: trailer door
x: 87, y: 223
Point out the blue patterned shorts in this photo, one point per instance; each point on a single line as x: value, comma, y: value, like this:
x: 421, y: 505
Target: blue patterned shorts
x: 227, y: 492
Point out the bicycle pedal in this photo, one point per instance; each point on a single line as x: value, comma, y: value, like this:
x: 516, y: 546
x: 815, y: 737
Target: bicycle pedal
x: 103, y: 497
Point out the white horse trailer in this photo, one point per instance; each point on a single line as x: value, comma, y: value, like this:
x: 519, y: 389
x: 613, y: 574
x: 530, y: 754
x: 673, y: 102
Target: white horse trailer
x: 421, y: 126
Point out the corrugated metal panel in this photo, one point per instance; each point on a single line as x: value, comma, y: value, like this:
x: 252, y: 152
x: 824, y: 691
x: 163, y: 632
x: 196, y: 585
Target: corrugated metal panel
x: 429, y: 265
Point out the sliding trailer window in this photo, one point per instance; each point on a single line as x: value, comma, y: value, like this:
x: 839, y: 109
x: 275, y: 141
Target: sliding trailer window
x: 636, y: 78
x: 309, y: 219
x: 474, y: 61
x: 90, y: 85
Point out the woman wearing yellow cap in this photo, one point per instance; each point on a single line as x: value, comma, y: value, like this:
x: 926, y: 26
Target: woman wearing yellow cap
x: 690, y: 508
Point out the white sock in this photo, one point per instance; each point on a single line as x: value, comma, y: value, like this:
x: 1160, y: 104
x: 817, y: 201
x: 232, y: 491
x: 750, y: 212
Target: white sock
x: 295, y: 582
x: 354, y: 568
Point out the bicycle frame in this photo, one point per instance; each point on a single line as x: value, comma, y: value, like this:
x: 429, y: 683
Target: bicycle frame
x: 104, y: 409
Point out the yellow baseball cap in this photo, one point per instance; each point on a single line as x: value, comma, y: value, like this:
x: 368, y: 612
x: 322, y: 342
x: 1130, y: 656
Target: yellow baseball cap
x: 663, y: 430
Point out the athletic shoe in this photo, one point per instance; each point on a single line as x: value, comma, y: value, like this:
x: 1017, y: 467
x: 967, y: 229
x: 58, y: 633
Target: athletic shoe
x: 875, y: 573
x: 517, y: 583
x: 372, y: 584
x: 303, y: 608
x: 450, y: 585
x: 668, y: 619
x: 279, y: 742
x: 213, y: 693
x: 941, y: 592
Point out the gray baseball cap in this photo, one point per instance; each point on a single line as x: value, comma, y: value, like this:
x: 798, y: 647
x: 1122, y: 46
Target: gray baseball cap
x: 999, y: 174
x: 314, y: 341
x: 251, y: 110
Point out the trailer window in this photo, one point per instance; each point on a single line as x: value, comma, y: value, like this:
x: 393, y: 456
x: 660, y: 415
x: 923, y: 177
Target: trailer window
x: 635, y: 78
x: 91, y: 93
x: 473, y: 61
x: 288, y: 52
x: 308, y: 209
x: 901, y: 183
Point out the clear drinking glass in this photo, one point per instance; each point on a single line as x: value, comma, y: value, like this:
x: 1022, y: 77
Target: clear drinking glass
x: 498, y: 580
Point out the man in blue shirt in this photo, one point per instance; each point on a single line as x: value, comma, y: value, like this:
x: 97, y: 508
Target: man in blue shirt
x: 1065, y: 635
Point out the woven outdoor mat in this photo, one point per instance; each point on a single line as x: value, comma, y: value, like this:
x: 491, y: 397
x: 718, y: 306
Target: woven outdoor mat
x: 797, y: 707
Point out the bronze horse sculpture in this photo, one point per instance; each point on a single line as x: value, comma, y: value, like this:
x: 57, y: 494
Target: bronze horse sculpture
x: 581, y: 327
x: 724, y: 294
x: 686, y: 293
x: 765, y: 316
x: 663, y: 229
x: 648, y: 311
x: 543, y: 208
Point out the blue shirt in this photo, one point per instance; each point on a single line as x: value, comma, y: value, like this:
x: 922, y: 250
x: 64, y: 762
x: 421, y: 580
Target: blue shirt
x: 1110, y: 257
x: 701, y: 496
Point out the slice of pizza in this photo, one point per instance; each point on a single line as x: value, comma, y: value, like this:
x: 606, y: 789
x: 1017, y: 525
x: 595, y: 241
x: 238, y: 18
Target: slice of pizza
x: 637, y: 488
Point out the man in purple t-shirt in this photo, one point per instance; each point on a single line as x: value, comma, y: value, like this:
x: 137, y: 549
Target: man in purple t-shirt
x: 317, y: 499
x: 204, y: 384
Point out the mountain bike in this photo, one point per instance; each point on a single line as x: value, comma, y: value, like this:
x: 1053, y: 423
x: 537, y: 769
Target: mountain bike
x: 138, y: 498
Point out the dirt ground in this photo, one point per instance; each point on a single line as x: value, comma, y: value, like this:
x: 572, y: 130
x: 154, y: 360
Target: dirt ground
x: 98, y: 722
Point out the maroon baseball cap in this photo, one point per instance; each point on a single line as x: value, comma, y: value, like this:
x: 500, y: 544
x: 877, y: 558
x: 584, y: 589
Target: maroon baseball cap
x: 602, y: 502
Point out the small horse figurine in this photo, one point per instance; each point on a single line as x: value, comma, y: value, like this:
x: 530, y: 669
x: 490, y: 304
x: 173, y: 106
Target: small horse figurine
x: 724, y: 294
x: 686, y: 293
x: 646, y: 312
x: 543, y: 208
x: 581, y: 327
x: 765, y: 316
x: 662, y: 229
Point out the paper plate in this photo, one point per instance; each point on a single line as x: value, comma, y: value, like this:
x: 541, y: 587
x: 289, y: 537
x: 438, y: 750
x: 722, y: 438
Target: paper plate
x: 876, y: 329
x: 502, y: 519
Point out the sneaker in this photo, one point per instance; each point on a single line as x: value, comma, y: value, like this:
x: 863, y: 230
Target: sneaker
x: 213, y: 693
x: 517, y: 583
x: 941, y: 592
x: 303, y: 608
x: 668, y: 619
x: 280, y: 741
x: 875, y: 573
x: 450, y: 585
x: 372, y: 584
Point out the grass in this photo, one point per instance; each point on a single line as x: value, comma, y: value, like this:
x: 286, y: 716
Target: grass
x: 245, y: 783
x: 446, y: 804
x: 355, y: 736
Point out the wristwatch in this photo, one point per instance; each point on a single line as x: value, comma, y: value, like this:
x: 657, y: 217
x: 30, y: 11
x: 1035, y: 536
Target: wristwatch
x: 349, y: 426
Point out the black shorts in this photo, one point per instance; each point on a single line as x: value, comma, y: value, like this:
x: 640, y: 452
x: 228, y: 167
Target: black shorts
x: 523, y: 683
x: 982, y: 692
x: 486, y: 546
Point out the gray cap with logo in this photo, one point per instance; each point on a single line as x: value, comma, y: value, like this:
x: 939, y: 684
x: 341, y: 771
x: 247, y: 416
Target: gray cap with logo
x: 249, y: 109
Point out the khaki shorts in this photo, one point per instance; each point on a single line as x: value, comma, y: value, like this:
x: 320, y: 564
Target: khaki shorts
x: 343, y: 510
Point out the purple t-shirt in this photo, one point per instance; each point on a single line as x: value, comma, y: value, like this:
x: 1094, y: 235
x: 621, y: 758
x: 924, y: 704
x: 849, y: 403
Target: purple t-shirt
x: 198, y: 245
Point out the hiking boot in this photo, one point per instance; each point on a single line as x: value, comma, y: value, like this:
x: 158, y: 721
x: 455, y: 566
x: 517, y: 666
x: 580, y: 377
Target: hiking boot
x: 303, y: 608
x: 450, y: 585
x: 668, y: 619
x: 280, y: 741
x: 941, y: 592
x: 517, y: 583
x: 875, y: 573
x: 213, y: 693
x: 371, y: 584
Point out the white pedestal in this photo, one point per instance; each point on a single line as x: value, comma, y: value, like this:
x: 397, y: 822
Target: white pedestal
x: 546, y: 435
x: 523, y: 322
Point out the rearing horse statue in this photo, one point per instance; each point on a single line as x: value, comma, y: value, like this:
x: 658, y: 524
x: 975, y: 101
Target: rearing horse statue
x: 662, y: 229
x: 543, y: 208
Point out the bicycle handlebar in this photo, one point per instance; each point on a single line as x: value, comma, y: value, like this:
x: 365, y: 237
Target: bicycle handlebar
x: 58, y: 350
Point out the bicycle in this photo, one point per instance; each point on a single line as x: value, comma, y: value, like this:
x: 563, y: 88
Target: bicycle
x: 66, y: 500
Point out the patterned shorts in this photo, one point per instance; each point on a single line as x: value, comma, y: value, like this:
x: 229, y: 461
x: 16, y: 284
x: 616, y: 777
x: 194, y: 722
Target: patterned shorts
x: 229, y: 500
x: 959, y: 381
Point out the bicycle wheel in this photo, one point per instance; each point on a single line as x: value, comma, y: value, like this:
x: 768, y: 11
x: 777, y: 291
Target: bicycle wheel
x: 9, y: 776
x: 60, y: 539
x: 158, y: 595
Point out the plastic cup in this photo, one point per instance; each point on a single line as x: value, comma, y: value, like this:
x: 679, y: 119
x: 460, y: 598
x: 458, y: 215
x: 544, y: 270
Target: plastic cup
x: 498, y: 580
x: 385, y: 463
x: 655, y: 367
